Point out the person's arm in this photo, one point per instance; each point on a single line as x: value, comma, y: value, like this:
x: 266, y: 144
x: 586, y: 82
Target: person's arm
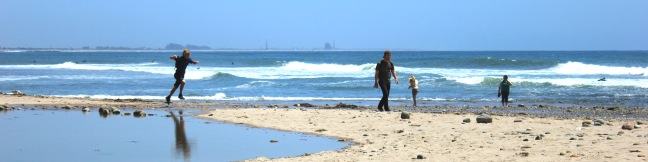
x: 376, y: 79
x: 394, y: 73
x: 192, y: 61
x: 174, y: 57
x: 499, y: 90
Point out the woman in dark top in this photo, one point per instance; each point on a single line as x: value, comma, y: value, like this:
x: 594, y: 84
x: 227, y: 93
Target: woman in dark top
x: 181, y: 64
x: 384, y: 72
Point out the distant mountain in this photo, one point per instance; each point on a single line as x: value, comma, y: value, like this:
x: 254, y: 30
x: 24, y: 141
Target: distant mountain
x: 175, y: 46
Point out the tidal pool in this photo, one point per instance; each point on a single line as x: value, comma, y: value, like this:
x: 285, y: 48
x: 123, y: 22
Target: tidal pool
x: 71, y: 135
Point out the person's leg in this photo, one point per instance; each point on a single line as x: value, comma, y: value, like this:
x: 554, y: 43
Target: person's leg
x: 175, y: 86
x: 414, y: 93
x: 386, y: 95
x: 182, y: 84
x: 383, y: 89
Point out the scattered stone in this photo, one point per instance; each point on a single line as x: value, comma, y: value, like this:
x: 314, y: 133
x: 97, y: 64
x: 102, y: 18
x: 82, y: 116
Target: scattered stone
x: 572, y: 138
x: 273, y: 141
x: 517, y: 120
x: 405, y: 115
x: 320, y: 130
x: 635, y: 151
x: 525, y: 139
x: 586, y: 124
x: 85, y: 109
x: 524, y: 154
x: 17, y: 93
x: 400, y: 131
x: 115, y: 110
x: 139, y: 113
x: 210, y: 115
x: 520, y: 105
x: 538, y: 137
x: 128, y: 114
x: 628, y: 126
x: 637, y: 127
x: 466, y: 120
x: 640, y: 123
x: 104, y: 112
x: 640, y: 155
x: 562, y: 154
x: 420, y: 156
x: 598, y: 122
x: 615, y: 108
x: 609, y: 138
x: 304, y: 105
x: 67, y: 107
x: 484, y: 118
x: 620, y: 133
x: 343, y: 105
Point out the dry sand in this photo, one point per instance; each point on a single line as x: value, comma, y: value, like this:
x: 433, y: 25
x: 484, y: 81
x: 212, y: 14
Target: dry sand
x: 384, y: 136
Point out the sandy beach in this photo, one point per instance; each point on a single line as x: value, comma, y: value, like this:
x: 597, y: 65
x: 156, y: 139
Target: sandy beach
x: 384, y: 136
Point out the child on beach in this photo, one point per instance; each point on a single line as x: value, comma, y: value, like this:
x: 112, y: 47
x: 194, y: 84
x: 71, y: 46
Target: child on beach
x: 413, y: 84
x: 503, y: 90
x: 181, y: 64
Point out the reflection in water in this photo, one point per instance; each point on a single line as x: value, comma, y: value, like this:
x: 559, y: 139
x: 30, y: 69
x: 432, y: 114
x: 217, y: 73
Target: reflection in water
x: 181, y: 143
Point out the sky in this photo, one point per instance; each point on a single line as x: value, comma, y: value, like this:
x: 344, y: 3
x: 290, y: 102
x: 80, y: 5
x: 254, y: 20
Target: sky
x: 351, y: 24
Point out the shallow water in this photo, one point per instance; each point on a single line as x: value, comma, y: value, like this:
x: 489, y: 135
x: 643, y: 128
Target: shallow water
x: 56, y: 135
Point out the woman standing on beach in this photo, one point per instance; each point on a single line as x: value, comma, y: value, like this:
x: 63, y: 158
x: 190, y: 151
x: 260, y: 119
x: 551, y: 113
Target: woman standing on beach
x: 384, y: 72
x: 181, y: 64
x: 503, y: 90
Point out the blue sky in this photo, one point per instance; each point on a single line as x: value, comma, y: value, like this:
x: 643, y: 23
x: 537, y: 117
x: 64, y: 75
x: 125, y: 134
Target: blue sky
x: 352, y: 24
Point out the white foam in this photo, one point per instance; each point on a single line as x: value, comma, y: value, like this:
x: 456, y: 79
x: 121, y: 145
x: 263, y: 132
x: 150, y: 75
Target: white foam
x: 579, y: 68
x: 223, y: 97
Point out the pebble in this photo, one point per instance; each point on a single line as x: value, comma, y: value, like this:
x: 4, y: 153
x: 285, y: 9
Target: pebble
x: 466, y: 120
x: 420, y: 156
x: 586, y: 124
x: 484, y: 118
x: 517, y: 120
x: 139, y: 113
x: 405, y: 115
x: 628, y: 126
x: 273, y: 141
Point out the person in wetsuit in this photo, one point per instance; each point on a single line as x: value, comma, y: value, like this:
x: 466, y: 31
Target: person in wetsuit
x: 384, y: 72
x: 181, y: 64
x: 503, y: 90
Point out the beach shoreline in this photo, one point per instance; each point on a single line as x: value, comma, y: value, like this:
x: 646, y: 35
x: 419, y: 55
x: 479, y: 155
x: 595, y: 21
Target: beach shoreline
x: 436, y: 133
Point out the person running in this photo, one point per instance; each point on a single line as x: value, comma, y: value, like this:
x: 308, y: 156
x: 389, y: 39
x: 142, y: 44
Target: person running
x: 413, y: 84
x: 384, y: 72
x: 181, y: 64
x: 503, y: 90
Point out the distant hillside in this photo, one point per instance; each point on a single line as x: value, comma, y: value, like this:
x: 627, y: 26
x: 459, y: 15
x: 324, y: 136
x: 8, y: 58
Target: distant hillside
x: 175, y: 46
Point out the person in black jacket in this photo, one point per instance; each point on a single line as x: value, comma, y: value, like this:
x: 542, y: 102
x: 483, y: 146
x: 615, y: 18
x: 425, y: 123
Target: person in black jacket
x: 384, y: 72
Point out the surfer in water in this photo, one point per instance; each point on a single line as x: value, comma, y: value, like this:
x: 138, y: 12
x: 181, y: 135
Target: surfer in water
x: 181, y: 63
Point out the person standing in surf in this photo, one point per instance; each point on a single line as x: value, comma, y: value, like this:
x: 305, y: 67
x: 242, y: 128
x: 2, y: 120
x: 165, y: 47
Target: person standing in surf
x: 503, y: 90
x: 413, y: 84
x: 181, y: 64
x: 384, y: 72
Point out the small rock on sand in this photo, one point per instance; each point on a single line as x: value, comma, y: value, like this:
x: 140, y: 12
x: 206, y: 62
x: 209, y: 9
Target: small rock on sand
x: 67, y: 107
x: 127, y: 114
x: 524, y: 154
x: 484, y: 118
x: 420, y: 157
x: 517, y: 120
x: 628, y: 125
x: 598, y: 122
x: 304, y: 105
x: 586, y: 124
x: 466, y: 120
x: 115, y: 110
x: 85, y: 109
x: 405, y: 115
x: 139, y: 113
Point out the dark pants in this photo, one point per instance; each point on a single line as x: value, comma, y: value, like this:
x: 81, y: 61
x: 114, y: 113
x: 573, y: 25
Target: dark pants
x: 385, y: 85
x: 505, y: 97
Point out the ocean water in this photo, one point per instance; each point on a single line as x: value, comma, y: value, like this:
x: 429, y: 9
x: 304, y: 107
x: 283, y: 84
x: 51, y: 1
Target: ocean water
x: 537, y: 76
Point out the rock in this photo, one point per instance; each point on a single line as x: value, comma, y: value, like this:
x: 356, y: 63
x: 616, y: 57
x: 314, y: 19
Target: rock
x: 541, y: 106
x: 635, y: 151
x: 598, y: 122
x: 68, y: 107
x: 538, y: 137
x: 517, y: 120
x: 640, y: 155
x: 466, y: 120
x: 620, y: 133
x: 524, y: 154
x: 586, y: 124
x: 104, y: 112
x: 420, y: 156
x: 400, y: 131
x: 572, y: 138
x: 85, y: 109
x: 304, y: 105
x: 17, y: 93
x: 343, y: 105
x: 320, y: 130
x: 615, y: 108
x: 115, y: 110
x: 525, y: 139
x: 484, y: 118
x: 637, y: 127
x: 127, y: 114
x: 405, y: 115
x: 520, y: 105
x: 139, y: 113
x: 609, y: 138
x: 210, y: 115
x: 640, y: 123
x: 628, y: 126
x: 273, y: 141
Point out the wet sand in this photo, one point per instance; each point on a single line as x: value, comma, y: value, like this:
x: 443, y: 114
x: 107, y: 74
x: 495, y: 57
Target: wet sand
x: 437, y: 134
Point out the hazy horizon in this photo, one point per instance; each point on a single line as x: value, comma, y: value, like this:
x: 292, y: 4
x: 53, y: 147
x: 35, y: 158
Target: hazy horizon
x: 506, y: 25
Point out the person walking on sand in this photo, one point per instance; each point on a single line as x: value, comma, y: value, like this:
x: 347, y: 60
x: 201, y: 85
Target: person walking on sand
x: 181, y: 64
x: 413, y: 84
x: 384, y: 72
x: 503, y: 90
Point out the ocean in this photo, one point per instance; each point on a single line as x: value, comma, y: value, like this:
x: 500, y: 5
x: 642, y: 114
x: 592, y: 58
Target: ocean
x: 334, y: 76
